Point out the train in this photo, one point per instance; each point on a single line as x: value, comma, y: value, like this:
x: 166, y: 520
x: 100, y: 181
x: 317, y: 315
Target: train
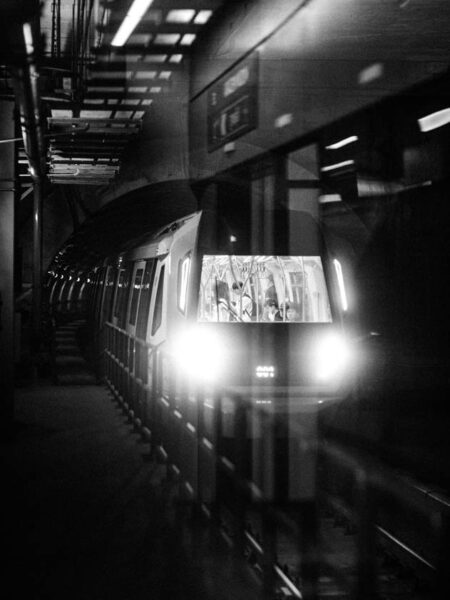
x: 371, y: 256
x: 186, y: 303
x: 249, y: 292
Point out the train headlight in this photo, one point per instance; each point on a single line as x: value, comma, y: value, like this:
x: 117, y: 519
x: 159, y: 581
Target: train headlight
x: 200, y: 354
x: 332, y: 357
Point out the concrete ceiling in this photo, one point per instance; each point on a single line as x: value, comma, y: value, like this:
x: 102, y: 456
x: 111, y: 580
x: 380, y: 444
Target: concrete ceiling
x: 94, y: 96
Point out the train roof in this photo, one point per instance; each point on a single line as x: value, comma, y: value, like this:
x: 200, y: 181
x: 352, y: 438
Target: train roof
x: 153, y: 243
x: 137, y: 215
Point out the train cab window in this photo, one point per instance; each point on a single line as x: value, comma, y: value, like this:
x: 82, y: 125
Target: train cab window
x: 183, y: 280
x: 135, y: 296
x: 144, y: 299
x: 272, y: 289
x: 157, y: 313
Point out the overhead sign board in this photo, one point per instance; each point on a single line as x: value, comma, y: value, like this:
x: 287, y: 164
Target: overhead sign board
x: 233, y: 104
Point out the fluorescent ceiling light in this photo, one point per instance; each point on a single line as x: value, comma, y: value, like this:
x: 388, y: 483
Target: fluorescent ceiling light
x: 341, y: 143
x: 133, y: 16
x: 95, y: 114
x: 137, y: 89
x: 328, y: 198
x: 187, y: 39
x: 28, y: 36
x: 344, y: 163
x: 155, y: 58
x: 202, y: 17
x: 61, y: 114
x: 284, y: 120
x: 180, y: 15
x: 371, y: 73
x: 145, y: 75
x: 166, y: 39
x: 140, y: 38
x: 124, y: 114
x: 434, y: 120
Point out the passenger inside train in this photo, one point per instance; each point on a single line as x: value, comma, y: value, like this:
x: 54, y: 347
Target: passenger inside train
x: 263, y: 289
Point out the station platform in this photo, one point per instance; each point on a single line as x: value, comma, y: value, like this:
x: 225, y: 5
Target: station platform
x: 89, y: 515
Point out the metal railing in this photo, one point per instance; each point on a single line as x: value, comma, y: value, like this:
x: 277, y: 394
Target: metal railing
x: 260, y: 475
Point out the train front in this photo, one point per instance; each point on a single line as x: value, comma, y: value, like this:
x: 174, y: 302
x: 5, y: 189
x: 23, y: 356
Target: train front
x: 268, y: 327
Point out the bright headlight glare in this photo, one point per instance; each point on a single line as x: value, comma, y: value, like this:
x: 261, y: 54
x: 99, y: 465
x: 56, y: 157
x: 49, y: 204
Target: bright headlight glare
x: 332, y: 357
x: 199, y: 353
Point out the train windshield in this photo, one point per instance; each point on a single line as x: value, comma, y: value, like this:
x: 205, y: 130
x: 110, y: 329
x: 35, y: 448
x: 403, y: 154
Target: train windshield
x: 263, y: 289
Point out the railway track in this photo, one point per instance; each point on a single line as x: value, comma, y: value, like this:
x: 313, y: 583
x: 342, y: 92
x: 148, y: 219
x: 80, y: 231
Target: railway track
x: 398, y: 570
x: 362, y: 530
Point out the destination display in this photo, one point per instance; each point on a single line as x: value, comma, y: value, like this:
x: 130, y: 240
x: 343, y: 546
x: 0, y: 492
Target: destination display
x: 233, y: 104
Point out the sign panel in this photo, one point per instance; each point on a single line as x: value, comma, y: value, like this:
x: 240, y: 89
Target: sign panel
x: 233, y: 104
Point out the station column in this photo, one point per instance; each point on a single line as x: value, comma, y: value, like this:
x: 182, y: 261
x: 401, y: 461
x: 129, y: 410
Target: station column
x: 6, y: 264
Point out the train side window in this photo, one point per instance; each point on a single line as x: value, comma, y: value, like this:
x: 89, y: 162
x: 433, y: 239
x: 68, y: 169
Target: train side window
x: 109, y: 294
x: 183, y: 279
x: 135, y: 296
x: 144, y: 300
x: 98, y: 291
x: 123, y: 288
x: 119, y: 293
x: 157, y: 313
x: 125, y: 296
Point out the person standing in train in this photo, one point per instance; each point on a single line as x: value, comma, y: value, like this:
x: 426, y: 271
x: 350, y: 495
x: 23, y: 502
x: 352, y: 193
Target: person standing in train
x: 242, y: 301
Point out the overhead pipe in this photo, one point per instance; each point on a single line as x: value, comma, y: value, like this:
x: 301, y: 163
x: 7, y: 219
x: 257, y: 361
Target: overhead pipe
x: 25, y: 79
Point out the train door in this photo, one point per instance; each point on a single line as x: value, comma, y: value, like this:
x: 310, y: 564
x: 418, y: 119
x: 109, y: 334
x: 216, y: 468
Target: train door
x: 136, y: 287
x: 119, y: 314
x: 121, y: 296
x: 106, y: 297
x: 53, y: 291
x: 156, y: 333
x: 62, y: 296
x: 131, y: 316
x: 143, y: 354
